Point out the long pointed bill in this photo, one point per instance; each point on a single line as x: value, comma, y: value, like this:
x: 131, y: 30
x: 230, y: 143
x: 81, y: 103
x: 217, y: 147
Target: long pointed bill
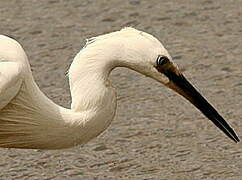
x: 182, y: 86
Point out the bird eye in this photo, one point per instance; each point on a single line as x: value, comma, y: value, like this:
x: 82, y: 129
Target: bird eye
x: 161, y: 60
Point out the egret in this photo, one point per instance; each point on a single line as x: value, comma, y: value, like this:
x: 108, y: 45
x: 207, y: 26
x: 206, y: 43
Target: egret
x: 30, y: 120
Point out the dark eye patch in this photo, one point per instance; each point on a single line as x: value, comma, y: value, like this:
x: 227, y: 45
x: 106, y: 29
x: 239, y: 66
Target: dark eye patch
x: 164, y: 64
x: 162, y: 60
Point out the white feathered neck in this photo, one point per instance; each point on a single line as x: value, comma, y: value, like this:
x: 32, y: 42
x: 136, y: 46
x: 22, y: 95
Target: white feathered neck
x: 31, y: 120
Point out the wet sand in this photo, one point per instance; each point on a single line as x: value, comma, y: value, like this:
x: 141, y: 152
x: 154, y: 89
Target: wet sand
x: 156, y: 134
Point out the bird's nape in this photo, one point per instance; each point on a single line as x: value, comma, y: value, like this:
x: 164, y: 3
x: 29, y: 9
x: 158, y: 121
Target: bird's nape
x: 181, y: 85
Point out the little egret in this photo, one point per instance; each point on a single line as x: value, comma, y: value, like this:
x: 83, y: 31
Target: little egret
x: 30, y: 120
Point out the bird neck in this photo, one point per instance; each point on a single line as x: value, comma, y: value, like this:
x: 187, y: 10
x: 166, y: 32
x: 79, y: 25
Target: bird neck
x: 55, y: 127
x: 89, y: 82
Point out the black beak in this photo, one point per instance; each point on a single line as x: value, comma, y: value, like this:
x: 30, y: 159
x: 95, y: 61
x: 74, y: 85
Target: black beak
x: 182, y: 86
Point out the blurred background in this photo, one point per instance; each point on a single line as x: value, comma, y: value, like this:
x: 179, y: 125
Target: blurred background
x: 156, y: 134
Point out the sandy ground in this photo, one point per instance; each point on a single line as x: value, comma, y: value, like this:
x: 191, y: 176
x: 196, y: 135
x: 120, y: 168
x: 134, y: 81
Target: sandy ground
x: 156, y: 134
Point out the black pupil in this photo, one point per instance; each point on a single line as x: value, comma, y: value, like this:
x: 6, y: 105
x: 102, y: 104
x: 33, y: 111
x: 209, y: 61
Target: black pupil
x: 161, y: 60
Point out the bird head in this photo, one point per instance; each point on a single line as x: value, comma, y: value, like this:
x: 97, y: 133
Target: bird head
x: 145, y: 54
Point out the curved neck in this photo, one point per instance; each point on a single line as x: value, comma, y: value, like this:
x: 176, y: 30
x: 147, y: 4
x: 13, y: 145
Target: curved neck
x: 51, y: 126
x: 40, y: 123
x: 89, y: 80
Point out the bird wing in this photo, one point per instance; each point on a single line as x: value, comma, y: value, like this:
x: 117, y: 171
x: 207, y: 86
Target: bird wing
x: 10, y: 81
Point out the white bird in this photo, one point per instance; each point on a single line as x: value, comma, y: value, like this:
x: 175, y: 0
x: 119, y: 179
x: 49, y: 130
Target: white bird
x: 28, y: 119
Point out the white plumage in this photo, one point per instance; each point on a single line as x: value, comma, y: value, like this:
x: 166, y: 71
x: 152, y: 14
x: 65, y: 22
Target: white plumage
x: 28, y: 119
